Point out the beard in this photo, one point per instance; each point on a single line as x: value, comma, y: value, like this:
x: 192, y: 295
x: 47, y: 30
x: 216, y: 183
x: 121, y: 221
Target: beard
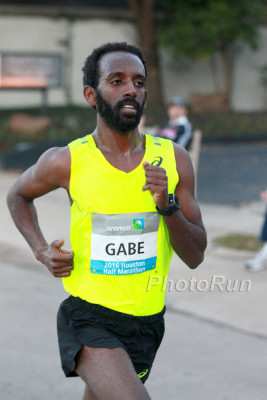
x: 114, y: 119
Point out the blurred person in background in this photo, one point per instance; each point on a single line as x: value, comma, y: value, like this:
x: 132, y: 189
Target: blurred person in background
x: 178, y: 129
x: 259, y: 262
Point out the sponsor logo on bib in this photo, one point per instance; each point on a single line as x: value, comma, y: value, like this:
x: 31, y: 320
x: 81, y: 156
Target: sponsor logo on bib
x: 124, y: 244
x: 138, y: 223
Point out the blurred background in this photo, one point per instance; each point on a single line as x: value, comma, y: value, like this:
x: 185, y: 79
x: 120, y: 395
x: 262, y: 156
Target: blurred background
x: 212, y: 54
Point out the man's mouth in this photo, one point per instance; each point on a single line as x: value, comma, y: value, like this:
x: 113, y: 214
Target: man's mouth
x: 129, y: 106
x: 129, y: 109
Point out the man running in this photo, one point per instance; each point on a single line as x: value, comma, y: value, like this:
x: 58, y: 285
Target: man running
x: 132, y: 203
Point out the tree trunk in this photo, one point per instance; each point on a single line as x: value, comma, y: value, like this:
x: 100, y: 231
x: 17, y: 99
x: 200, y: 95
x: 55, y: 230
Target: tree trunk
x: 227, y: 72
x: 144, y: 15
x: 213, y: 63
x: 68, y: 64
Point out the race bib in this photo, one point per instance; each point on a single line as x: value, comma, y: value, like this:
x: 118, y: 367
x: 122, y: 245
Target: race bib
x: 123, y: 244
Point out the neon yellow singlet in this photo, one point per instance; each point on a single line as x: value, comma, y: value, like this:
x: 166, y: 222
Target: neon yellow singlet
x: 118, y: 239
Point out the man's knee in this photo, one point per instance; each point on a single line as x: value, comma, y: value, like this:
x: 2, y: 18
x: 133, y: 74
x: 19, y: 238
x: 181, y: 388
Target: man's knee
x: 109, y: 374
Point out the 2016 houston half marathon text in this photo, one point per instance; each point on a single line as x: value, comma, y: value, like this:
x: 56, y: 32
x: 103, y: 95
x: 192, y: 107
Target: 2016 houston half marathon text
x: 123, y: 268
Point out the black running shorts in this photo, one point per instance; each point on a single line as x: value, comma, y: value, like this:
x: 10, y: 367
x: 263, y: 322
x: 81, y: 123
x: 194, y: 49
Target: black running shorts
x: 82, y: 323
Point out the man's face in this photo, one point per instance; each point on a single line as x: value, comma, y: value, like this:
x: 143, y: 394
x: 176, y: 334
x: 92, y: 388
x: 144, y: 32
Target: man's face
x: 175, y: 111
x: 121, y: 94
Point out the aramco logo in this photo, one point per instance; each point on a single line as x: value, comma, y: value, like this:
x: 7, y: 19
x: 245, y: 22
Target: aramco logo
x: 138, y: 224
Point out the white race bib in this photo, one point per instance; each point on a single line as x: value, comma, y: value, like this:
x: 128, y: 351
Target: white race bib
x: 123, y: 244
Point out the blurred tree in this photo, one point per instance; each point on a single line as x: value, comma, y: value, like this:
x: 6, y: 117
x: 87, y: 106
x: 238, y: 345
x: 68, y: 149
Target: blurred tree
x: 144, y: 13
x: 196, y: 29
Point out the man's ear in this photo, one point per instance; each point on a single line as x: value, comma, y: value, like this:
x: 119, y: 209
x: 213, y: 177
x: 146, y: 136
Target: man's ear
x: 89, y: 95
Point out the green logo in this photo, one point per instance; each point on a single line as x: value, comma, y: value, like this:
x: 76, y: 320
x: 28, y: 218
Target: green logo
x: 143, y: 373
x: 138, y: 224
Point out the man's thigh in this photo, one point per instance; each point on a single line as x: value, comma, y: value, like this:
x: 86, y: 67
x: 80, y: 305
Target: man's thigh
x: 109, y: 374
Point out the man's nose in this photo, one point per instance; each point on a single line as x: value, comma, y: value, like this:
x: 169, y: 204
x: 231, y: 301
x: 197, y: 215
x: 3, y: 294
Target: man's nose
x: 130, y: 89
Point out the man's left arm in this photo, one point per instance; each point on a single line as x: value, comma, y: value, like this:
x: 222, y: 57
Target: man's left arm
x: 187, y: 233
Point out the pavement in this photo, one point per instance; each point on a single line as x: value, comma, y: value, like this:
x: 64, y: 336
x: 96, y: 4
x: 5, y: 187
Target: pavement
x: 215, y: 345
x: 232, y: 173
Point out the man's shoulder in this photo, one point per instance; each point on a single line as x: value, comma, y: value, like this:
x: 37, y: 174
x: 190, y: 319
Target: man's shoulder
x: 183, y: 161
x: 180, y: 151
x: 55, y: 155
x: 159, y: 141
x: 54, y: 165
x: 78, y: 143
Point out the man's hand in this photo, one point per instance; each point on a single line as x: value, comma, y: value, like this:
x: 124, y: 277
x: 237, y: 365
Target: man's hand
x: 59, y: 262
x: 157, y: 184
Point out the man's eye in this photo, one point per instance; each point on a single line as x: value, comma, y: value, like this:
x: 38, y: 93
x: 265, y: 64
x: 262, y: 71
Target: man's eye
x: 139, y: 83
x: 116, y: 82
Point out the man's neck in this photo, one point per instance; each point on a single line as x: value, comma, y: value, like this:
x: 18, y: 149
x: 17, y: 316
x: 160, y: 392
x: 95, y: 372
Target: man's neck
x: 123, y: 151
x: 109, y: 140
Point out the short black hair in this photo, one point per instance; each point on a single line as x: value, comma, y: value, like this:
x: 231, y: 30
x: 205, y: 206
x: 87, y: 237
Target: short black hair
x: 91, y: 65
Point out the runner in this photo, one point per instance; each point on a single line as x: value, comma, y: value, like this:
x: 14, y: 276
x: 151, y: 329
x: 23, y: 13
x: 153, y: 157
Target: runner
x: 132, y: 203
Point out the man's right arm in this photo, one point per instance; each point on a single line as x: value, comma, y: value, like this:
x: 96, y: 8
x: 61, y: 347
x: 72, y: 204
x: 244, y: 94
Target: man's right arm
x: 50, y: 172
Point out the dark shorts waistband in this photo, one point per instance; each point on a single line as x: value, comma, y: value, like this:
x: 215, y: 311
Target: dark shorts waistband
x: 117, y: 315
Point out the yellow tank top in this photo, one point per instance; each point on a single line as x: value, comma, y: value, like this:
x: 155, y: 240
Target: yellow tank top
x: 120, y: 243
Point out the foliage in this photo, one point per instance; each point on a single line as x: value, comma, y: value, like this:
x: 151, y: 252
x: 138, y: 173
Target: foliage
x: 69, y: 123
x: 231, y: 126
x: 197, y: 28
x: 222, y: 126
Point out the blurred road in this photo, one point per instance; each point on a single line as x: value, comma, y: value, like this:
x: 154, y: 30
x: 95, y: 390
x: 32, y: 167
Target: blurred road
x: 232, y: 173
